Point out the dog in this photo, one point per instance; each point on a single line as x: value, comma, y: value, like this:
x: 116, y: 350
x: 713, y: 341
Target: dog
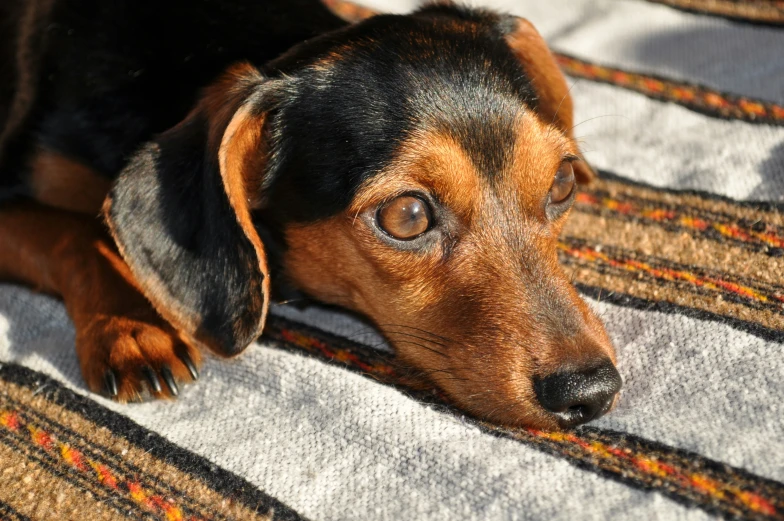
x: 168, y: 159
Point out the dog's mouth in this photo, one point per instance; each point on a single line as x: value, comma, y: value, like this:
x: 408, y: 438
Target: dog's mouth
x: 566, y: 398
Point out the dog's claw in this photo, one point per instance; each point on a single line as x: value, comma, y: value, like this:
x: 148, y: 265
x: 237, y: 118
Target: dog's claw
x: 168, y: 377
x: 186, y: 359
x: 110, y: 380
x: 152, y: 379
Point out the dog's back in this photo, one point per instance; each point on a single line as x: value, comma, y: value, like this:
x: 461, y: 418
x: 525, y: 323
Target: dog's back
x: 94, y: 79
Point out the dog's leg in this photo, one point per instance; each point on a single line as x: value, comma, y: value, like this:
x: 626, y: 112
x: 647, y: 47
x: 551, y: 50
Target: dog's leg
x: 123, y: 345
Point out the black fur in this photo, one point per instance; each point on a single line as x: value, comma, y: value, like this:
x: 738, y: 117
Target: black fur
x: 113, y: 75
x: 197, y: 253
x: 399, y: 73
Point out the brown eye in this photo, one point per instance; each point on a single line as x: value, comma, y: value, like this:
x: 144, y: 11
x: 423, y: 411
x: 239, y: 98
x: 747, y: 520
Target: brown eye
x: 563, y: 184
x: 405, y: 218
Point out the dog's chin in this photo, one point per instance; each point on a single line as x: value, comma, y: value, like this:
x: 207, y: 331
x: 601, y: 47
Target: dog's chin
x: 497, y: 406
x: 513, y: 414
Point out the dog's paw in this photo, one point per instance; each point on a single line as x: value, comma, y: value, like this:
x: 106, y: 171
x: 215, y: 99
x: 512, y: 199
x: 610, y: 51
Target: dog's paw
x: 130, y: 358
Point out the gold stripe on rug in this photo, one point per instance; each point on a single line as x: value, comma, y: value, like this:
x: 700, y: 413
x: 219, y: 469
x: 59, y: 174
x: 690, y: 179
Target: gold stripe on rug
x: 64, y: 466
x: 695, y: 251
x: 698, y: 98
x: 686, y: 477
x: 758, y: 11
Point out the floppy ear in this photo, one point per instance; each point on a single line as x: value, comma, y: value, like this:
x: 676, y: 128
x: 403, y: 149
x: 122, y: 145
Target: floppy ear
x: 180, y: 214
x: 349, y: 11
x: 555, y: 103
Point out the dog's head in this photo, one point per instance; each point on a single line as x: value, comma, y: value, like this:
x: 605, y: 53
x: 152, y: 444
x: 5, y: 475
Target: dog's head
x: 417, y: 169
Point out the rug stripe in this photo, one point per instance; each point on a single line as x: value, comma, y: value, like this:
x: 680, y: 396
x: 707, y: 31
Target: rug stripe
x: 690, y: 250
x: 694, y: 97
x: 651, y: 239
x: 122, y: 479
x: 754, y: 226
x: 44, y: 475
x: 126, y: 493
x: 702, y: 99
x: 757, y: 11
x: 9, y: 514
x: 657, y: 279
x: 113, y: 465
x: 683, y: 476
x: 757, y: 235
x: 121, y: 458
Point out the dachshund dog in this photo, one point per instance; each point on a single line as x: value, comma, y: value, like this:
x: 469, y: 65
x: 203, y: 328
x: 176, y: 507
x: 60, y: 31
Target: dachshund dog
x: 164, y: 160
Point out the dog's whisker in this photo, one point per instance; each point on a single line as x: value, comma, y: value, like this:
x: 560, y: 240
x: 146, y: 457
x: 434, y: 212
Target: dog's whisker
x: 451, y: 377
x: 450, y: 342
x: 417, y: 337
x: 475, y: 395
x: 598, y: 117
x: 424, y: 347
x: 446, y: 339
x: 289, y: 301
x: 391, y: 336
x: 555, y: 115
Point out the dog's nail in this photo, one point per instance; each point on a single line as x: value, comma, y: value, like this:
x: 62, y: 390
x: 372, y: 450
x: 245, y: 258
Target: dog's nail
x: 168, y: 377
x: 152, y: 379
x: 186, y: 359
x: 110, y: 380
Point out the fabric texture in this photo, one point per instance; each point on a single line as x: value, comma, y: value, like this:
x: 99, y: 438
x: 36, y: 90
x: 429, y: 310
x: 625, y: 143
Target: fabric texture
x: 678, y: 247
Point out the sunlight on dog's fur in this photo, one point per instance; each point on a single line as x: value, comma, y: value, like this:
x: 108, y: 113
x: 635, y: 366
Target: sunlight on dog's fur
x: 416, y: 169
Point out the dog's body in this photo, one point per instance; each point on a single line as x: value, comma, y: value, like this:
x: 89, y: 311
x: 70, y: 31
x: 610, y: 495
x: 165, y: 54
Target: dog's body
x: 416, y: 169
x: 141, y: 63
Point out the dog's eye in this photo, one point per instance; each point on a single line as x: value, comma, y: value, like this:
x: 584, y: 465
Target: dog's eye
x: 563, y: 184
x: 405, y: 217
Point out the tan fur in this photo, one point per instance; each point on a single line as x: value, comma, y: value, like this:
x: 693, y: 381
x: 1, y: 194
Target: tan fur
x: 483, y: 319
x: 235, y: 134
x: 60, y: 182
x: 554, y: 101
x: 70, y: 255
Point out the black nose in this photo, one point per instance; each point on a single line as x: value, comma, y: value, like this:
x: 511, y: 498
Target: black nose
x: 578, y: 397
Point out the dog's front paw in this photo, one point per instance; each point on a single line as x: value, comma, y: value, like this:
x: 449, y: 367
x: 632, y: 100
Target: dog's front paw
x: 130, y: 358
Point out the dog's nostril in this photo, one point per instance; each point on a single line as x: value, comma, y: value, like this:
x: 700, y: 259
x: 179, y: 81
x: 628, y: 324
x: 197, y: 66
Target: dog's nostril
x: 576, y: 397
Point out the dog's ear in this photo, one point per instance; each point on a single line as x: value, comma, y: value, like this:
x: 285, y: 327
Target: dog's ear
x: 349, y: 11
x: 554, y: 101
x: 180, y: 214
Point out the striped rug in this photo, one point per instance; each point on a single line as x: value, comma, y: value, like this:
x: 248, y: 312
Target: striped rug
x: 679, y: 245
x: 63, y: 456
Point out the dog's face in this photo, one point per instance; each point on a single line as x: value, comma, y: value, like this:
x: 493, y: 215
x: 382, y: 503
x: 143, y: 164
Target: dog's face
x: 419, y: 170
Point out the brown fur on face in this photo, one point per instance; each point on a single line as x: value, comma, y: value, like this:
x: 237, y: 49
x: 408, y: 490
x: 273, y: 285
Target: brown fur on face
x: 481, y: 308
x: 484, y: 308
x: 555, y: 104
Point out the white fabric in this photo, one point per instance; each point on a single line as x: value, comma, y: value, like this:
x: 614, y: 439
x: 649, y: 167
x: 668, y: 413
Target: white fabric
x: 666, y: 145
x: 334, y: 445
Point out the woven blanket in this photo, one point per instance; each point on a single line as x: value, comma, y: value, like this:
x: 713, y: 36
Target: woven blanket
x: 679, y: 246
